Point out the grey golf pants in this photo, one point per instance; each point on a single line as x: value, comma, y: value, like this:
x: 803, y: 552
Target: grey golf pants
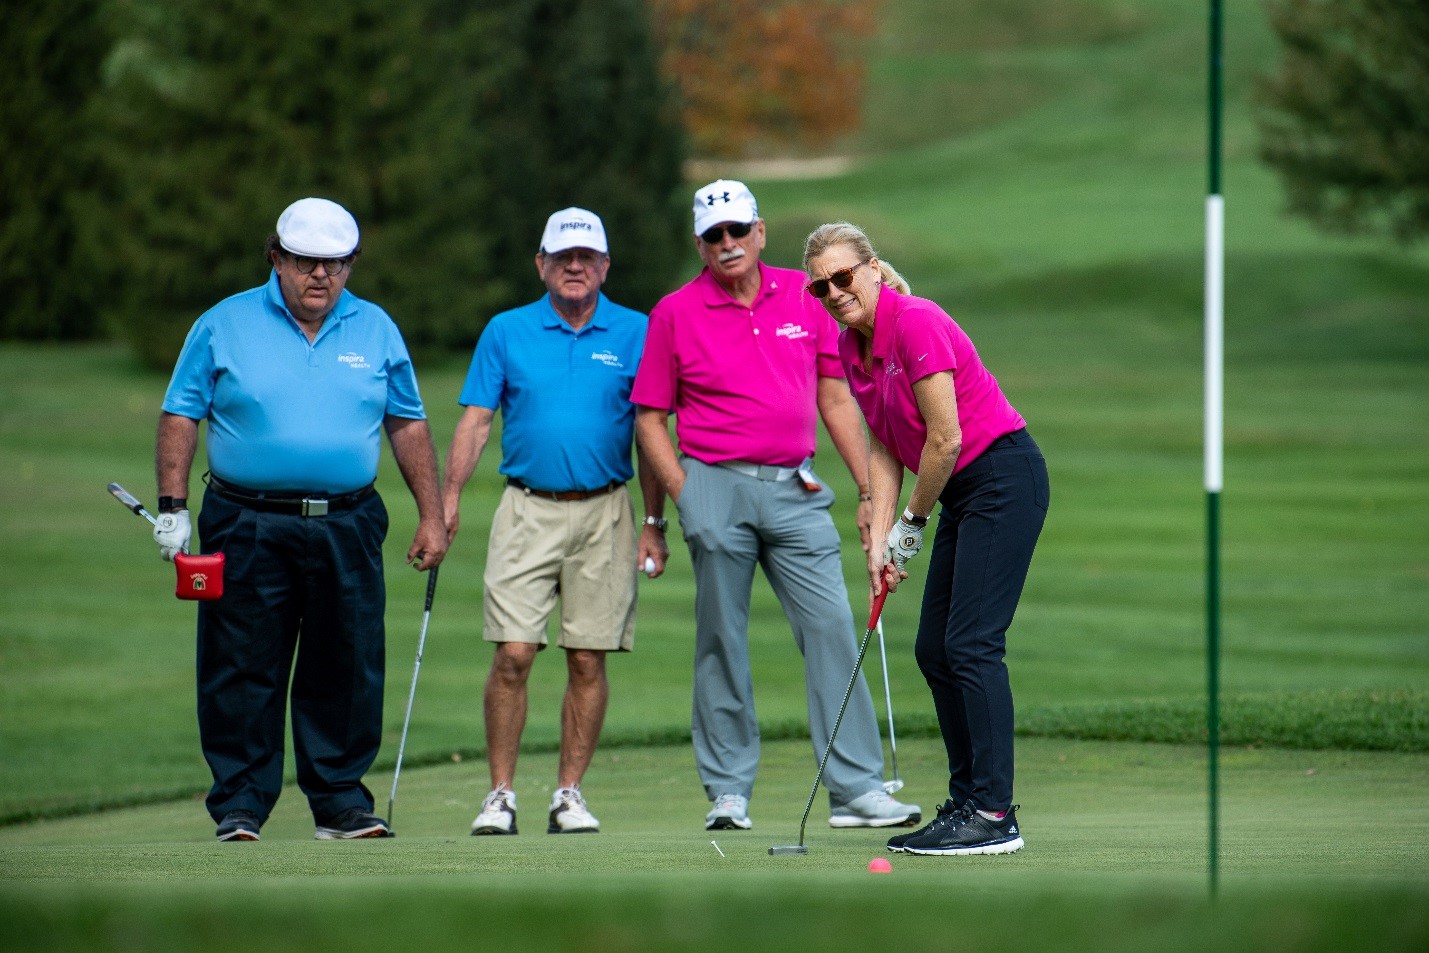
x: 732, y: 522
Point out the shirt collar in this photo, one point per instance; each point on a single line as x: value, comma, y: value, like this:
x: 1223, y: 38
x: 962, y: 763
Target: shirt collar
x: 884, y: 316
x: 345, y: 306
x: 551, y: 318
x: 716, y: 294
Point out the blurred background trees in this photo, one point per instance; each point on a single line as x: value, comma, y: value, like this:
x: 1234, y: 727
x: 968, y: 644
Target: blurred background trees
x: 1345, y: 118
x: 151, y: 144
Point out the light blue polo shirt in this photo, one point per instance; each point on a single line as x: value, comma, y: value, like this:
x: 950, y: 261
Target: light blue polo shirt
x: 564, y: 395
x: 287, y: 414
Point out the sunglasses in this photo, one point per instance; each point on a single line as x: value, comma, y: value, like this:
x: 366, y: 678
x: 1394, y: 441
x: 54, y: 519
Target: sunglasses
x: 840, y: 279
x: 715, y: 235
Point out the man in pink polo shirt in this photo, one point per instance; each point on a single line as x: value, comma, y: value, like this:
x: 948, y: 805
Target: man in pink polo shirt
x: 748, y: 363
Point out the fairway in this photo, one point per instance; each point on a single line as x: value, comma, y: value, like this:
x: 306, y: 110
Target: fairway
x: 1038, y: 169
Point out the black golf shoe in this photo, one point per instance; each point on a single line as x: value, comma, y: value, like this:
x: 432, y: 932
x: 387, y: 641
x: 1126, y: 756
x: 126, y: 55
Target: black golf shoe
x: 947, y: 814
x: 972, y: 834
x: 352, y: 824
x: 239, y: 825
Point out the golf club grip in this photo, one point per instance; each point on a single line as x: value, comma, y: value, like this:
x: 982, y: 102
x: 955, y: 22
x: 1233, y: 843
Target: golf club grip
x: 127, y: 498
x: 877, y: 609
x: 431, y: 586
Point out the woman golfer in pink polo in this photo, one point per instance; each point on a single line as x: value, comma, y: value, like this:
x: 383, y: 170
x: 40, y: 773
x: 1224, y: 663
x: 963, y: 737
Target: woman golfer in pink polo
x: 933, y: 408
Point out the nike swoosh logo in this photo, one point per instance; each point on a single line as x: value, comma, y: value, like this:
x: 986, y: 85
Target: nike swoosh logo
x: 924, y: 355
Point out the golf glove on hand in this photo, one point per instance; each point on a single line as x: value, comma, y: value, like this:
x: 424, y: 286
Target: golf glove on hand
x: 904, y: 541
x: 171, y: 532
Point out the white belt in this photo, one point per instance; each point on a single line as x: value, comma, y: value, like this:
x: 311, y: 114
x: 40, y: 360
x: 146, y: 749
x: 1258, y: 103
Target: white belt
x: 761, y: 472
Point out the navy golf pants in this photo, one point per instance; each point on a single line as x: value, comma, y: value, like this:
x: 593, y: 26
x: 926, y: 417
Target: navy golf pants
x: 296, y: 589
x: 992, y: 514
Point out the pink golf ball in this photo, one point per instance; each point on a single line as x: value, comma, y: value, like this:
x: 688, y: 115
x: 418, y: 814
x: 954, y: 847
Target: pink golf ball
x: 880, y: 865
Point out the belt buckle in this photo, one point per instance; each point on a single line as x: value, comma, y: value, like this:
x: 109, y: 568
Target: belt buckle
x: 314, y: 507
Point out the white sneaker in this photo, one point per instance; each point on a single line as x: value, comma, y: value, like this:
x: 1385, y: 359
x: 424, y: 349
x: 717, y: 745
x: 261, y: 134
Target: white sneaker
x: 729, y: 811
x: 498, y: 814
x: 569, y: 815
x: 877, y: 808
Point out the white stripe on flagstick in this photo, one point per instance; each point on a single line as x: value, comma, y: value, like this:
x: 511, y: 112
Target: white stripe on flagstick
x: 1215, y: 338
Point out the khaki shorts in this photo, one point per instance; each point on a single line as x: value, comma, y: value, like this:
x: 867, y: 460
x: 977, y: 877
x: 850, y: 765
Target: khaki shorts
x: 582, y: 552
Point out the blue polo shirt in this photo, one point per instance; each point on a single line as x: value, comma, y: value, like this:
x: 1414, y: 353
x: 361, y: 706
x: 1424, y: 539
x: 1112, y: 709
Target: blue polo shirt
x: 564, y: 395
x: 284, y: 413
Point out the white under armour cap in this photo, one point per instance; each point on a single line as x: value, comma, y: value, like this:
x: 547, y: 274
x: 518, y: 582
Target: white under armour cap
x: 573, y: 228
x: 724, y: 200
x: 317, y: 228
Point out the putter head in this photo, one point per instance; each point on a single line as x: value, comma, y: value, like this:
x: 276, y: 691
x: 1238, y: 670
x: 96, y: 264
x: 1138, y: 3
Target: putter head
x: 785, y: 851
x: 894, y: 786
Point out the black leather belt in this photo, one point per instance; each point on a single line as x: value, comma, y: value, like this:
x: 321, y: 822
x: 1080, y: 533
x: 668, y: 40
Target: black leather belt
x: 291, y: 502
x: 563, y: 496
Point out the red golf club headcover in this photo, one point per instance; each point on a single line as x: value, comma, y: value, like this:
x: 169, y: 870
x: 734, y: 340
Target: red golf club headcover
x: 200, y: 577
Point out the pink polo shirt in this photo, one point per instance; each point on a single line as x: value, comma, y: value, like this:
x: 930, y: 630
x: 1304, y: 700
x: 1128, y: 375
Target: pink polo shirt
x: 742, y: 382
x: 912, y: 338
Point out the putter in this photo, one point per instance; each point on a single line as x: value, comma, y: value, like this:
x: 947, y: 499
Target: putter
x: 895, y: 785
x: 412, y: 695
x: 130, y: 503
x: 873, y: 616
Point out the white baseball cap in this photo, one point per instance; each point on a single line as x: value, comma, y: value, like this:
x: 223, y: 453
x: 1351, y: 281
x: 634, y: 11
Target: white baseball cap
x: 724, y: 200
x: 317, y: 228
x: 573, y: 228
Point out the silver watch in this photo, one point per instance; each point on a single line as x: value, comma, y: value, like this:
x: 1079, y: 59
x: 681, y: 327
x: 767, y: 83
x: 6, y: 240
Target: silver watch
x: 659, y: 522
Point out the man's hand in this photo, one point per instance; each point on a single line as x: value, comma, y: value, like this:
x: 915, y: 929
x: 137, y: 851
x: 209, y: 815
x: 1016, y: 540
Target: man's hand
x: 429, y: 546
x: 904, y: 541
x: 652, y: 547
x: 172, y: 532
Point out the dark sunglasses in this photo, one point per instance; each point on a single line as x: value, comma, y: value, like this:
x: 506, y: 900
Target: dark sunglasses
x: 841, y: 279
x: 715, y: 235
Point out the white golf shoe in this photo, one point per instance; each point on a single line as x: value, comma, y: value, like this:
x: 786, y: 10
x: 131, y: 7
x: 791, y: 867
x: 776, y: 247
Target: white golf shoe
x: 569, y: 814
x: 729, y: 811
x: 877, y: 808
x: 498, y: 814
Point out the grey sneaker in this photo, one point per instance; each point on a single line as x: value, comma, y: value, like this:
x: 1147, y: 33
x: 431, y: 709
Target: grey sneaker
x: 877, y: 808
x: 352, y: 824
x: 729, y: 811
x: 498, y: 814
x: 239, y: 825
x: 569, y: 814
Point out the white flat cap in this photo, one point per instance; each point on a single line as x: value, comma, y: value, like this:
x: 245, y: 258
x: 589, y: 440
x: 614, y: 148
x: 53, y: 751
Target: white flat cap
x: 317, y: 228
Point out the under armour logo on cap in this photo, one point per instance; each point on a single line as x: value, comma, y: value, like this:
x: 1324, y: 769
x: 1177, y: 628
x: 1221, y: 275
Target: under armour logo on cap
x: 724, y: 200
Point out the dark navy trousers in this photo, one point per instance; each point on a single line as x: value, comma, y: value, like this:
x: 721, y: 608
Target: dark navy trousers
x: 303, y: 600
x: 992, y: 514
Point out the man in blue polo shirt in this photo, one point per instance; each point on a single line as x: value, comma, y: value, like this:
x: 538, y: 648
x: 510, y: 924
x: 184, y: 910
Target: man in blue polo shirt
x: 560, y: 371
x: 297, y: 380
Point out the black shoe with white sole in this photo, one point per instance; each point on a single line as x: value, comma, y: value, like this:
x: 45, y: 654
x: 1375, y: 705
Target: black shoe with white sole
x: 239, y: 825
x: 352, y: 824
x: 947, y: 814
x: 974, y: 835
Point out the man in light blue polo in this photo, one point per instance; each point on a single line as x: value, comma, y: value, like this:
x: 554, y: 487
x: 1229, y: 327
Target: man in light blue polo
x: 297, y: 379
x: 560, y: 371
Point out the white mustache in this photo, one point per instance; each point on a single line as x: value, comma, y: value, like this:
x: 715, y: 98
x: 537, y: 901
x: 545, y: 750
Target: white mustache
x: 733, y: 255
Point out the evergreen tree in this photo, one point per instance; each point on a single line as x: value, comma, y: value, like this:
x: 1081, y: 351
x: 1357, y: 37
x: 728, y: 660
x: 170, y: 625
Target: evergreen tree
x: 1345, y: 120
x: 50, y: 53
x: 416, y: 117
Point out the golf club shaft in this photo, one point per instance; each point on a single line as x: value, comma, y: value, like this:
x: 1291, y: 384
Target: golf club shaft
x: 873, y: 615
x: 129, y: 502
x: 888, y: 701
x: 412, y: 694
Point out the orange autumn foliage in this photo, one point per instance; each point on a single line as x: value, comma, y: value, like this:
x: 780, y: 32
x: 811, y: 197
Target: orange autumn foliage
x: 765, y: 75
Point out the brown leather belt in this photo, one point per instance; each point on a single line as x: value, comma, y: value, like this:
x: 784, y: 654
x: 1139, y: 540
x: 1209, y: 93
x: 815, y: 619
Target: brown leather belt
x: 563, y: 496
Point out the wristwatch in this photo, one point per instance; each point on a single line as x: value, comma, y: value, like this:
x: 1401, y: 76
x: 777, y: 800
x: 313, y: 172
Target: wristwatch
x: 659, y: 522
x: 915, y: 520
x: 171, y: 504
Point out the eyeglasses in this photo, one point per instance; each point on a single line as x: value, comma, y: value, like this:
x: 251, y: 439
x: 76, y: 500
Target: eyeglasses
x: 333, y: 266
x: 715, y: 235
x: 841, y: 279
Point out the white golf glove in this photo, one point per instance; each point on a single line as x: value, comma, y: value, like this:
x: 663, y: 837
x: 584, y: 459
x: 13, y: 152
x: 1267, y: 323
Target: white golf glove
x: 171, y: 532
x: 904, y: 541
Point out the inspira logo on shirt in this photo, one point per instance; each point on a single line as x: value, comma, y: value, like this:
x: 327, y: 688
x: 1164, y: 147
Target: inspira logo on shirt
x: 791, y: 331
x: 891, y: 368
x: 607, y: 358
x: 354, y: 361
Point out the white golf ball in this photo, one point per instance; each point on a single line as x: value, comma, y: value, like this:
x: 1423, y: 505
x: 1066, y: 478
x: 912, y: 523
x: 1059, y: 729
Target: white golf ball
x: 649, y: 565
